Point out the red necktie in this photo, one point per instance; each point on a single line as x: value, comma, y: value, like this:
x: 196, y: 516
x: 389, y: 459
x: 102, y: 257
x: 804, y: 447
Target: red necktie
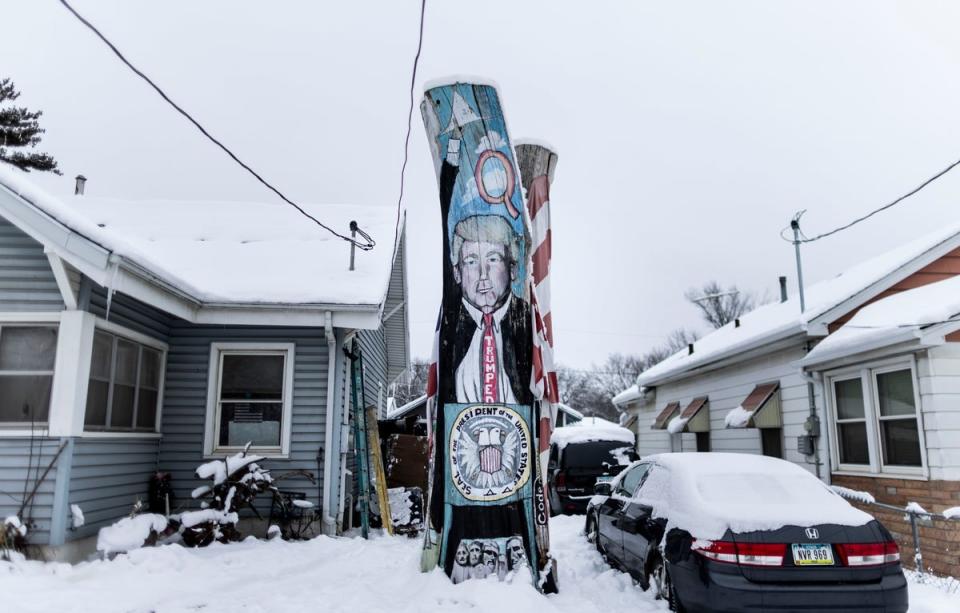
x: 489, y: 361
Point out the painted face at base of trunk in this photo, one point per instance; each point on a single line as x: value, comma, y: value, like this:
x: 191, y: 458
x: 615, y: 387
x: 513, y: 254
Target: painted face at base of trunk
x: 461, y: 555
x: 475, y: 550
x: 484, y: 274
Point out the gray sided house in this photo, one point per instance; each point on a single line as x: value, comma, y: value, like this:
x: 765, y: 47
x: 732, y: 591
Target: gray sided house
x: 862, y: 388
x: 138, y: 337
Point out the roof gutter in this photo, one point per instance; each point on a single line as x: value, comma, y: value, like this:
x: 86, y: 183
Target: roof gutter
x: 733, y: 355
x: 329, y: 526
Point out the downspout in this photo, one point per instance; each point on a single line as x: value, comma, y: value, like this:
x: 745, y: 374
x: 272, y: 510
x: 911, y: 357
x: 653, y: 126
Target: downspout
x: 815, y: 382
x: 329, y: 523
x: 812, y: 424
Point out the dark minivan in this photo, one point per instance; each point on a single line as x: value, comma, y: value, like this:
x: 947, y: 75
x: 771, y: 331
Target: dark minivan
x: 576, y: 466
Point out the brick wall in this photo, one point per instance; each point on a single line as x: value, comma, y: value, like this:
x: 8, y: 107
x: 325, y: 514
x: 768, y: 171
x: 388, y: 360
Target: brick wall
x: 939, y: 541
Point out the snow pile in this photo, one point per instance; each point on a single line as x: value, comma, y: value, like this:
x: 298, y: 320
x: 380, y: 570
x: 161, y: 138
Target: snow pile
x: 376, y: 576
x: 344, y: 575
x: 590, y: 429
x: 77, y: 520
x: 708, y: 493
x: 14, y: 525
x: 130, y: 533
x: 846, y: 492
x: 894, y: 319
x: 914, y: 507
x: 781, y: 319
x: 676, y: 425
x: 738, y: 417
x: 228, y: 251
x: 398, y: 498
x: 952, y: 513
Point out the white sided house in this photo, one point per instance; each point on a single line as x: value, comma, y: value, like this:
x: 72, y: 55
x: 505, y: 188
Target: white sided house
x: 138, y: 337
x: 862, y: 388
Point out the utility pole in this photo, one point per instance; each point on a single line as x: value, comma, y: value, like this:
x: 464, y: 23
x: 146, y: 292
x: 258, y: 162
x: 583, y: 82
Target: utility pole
x: 795, y: 226
x: 812, y: 424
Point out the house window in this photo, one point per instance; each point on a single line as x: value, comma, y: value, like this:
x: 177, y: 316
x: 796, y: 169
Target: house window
x: 251, y: 395
x: 877, y: 419
x: 123, y: 394
x: 703, y: 441
x: 771, y: 442
x: 851, y: 421
x: 27, y: 355
x: 897, y: 413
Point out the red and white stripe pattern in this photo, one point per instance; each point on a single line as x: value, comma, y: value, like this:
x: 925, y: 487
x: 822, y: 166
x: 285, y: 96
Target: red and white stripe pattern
x: 433, y: 383
x: 544, y: 376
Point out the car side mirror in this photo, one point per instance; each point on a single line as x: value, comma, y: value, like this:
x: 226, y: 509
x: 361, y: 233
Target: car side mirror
x: 602, y: 489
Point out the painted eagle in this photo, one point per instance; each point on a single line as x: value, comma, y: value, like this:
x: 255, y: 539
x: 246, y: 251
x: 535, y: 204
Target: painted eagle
x: 488, y: 457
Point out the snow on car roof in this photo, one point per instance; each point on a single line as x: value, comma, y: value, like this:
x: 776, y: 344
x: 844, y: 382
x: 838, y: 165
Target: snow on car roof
x: 591, y: 429
x: 233, y: 252
x: 781, y: 319
x: 708, y: 493
x: 887, y: 321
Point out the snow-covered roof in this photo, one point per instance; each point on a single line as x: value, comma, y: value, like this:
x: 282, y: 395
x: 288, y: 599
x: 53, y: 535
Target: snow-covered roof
x: 634, y: 392
x: 569, y: 410
x: 232, y: 252
x: 897, y: 318
x: 776, y: 321
x: 591, y: 429
x: 402, y: 410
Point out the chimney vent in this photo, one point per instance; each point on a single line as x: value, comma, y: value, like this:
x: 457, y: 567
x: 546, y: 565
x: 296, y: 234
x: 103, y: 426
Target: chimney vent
x: 690, y: 349
x: 783, y: 289
x: 79, y: 186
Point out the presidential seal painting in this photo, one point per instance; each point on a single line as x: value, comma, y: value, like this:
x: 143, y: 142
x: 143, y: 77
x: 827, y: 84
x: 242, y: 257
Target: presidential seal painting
x: 489, y: 452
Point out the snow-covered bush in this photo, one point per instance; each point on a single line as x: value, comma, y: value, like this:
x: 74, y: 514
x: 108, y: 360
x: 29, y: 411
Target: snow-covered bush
x: 13, y: 537
x: 131, y: 533
x: 236, y: 481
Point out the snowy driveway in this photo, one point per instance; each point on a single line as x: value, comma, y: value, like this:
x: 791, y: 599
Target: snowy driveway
x: 331, y: 575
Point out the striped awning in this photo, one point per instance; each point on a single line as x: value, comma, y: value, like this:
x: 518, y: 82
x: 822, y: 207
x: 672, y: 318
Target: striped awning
x: 660, y: 422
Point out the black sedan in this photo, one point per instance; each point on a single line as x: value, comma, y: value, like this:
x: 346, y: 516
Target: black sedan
x: 736, y: 532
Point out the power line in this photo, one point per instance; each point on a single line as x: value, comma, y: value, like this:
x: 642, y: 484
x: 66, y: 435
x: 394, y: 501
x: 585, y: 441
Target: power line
x: 365, y: 245
x: 806, y: 239
x: 406, y: 142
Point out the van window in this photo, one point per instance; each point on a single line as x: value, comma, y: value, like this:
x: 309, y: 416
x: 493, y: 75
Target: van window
x: 594, y: 453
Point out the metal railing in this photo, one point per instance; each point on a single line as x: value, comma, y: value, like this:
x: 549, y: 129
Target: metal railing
x: 912, y: 513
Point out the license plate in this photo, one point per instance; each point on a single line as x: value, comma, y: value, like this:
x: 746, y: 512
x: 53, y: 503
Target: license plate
x: 812, y: 554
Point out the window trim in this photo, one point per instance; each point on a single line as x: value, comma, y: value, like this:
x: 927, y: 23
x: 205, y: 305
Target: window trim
x: 141, y: 340
x: 867, y: 372
x: 214, y: 379
x: 27, y: 426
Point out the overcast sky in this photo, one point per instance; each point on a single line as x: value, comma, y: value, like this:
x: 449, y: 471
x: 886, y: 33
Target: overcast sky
x: 688, y: 132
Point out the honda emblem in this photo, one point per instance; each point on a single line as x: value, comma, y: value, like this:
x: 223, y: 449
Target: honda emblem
x: 812, y: 533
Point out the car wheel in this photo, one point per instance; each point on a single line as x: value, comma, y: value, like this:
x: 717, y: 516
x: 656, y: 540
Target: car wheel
x: 591, y: 529
x: 658, y: 577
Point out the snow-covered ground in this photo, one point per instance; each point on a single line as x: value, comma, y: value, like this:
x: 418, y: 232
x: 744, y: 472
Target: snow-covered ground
x: 349, y: 575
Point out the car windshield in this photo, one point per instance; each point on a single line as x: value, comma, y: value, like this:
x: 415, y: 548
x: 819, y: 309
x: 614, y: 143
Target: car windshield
x: 593, y: 454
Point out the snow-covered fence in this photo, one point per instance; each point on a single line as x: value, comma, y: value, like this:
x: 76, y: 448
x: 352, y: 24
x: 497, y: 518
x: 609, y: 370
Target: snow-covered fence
x: 913, y: 513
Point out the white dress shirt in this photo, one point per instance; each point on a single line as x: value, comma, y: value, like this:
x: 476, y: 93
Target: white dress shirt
x: 469, y: 372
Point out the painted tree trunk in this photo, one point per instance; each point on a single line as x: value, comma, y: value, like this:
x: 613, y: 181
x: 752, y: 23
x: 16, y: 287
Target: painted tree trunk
x: 537, y: 164
x: 484, y: 468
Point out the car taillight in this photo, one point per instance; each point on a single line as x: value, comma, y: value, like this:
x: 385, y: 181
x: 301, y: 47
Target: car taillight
x: 561, y: 482
x: 868, y: 554
x: 748, y: 554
